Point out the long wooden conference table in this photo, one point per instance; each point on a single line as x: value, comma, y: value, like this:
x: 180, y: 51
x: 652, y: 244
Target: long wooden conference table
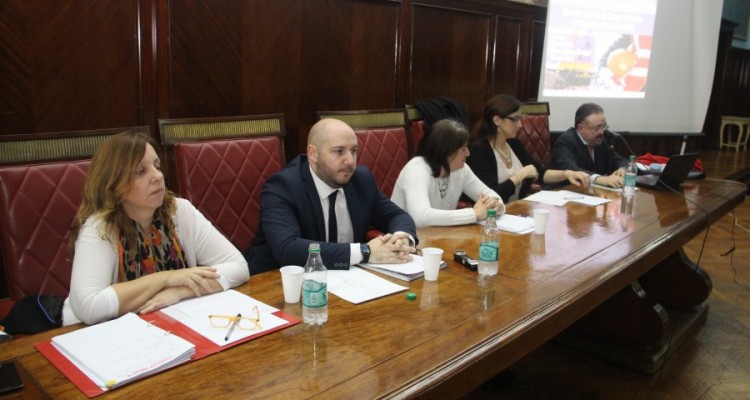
x: 459, y: 332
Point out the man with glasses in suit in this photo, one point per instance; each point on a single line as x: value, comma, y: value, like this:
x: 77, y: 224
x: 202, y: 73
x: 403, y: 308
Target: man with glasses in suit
x: 585, y: 148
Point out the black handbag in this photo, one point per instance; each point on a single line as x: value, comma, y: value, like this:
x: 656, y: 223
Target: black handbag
x: 34, y: 314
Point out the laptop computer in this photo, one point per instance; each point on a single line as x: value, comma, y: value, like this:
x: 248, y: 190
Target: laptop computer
x: 674, y: 174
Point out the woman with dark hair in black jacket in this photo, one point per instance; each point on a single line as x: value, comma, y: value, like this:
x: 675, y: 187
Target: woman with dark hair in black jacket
x: 499, y: 160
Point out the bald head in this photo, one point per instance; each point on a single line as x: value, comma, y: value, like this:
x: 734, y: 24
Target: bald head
x: 324, y: 129
x: 332, y: 151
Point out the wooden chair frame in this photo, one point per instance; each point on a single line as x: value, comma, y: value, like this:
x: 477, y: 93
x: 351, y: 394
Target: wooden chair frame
x: 52, y: 146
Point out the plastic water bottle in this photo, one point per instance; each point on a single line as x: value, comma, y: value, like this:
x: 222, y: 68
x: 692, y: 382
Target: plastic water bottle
x: 489, y: 246
x: 628, y: 189
x: 314, y: 288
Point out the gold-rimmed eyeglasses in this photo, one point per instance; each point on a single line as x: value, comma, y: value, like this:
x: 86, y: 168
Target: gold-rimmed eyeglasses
x: 245, y: 323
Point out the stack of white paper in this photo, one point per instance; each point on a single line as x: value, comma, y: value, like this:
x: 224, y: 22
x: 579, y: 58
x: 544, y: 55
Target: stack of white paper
x: 559, y: 198
x: 357, y: 285
x: 116, y: 352
x: 515, y: 223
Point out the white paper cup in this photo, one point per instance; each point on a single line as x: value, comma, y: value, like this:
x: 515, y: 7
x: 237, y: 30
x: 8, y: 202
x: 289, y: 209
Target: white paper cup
x: 431, y: 257
x: 291, y: 280
x: 541, y: 216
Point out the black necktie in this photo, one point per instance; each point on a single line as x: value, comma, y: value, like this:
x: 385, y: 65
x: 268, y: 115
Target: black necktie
x: 333, y: 232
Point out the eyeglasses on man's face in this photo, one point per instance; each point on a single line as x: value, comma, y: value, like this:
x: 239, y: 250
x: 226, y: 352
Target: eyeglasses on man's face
x: 515, y: 118
x: 597, y: 128
x: 246, y: 323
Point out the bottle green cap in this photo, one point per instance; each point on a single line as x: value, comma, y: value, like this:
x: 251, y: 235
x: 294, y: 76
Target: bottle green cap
x: 632, y: 157
x: 491, y: 212
x: 411, y: 296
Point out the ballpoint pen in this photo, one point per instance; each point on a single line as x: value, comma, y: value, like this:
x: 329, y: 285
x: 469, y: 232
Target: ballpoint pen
x: 231, y: 327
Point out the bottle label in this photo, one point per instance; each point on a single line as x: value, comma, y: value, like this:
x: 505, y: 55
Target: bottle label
x: 629, y: 179
x: 488, y: 251
x: 314, y: 294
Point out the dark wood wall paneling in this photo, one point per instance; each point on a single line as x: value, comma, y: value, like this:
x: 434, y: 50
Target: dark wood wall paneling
x: 15, y: 71
x: 729, y: 93
x: 736, y: 75
x: 205, y: 58
x: 78, y: 64
x: 474, y: 50
x: 294, y: 57
x: 450, y: 53
x: 68, y: 65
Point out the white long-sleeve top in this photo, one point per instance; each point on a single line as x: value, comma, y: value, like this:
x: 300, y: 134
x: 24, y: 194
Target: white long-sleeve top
x: 95, y: 265
x: 418, y: 193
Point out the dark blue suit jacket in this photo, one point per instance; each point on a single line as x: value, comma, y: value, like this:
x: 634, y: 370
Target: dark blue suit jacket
x: 291, y: 218
x: 569, y: 152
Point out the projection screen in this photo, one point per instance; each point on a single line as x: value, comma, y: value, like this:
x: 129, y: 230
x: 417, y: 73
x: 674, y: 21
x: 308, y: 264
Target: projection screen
x: 648, y: 63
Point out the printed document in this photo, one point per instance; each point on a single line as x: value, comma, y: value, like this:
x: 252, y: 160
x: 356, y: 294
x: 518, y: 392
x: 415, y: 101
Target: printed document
x: 194, y: 313
x: 561, y: 197
x: 116, y: 352
x: 357, y: 285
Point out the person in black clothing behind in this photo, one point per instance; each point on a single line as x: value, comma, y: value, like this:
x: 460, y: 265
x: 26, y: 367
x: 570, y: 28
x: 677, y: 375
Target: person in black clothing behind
x: 500, y: 160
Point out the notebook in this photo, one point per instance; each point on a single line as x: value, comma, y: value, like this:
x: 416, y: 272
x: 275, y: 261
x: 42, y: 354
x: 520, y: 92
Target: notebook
x: 111, y: 354
x: 406, y: 272
x: 674, y: 174
x: 119, y: 351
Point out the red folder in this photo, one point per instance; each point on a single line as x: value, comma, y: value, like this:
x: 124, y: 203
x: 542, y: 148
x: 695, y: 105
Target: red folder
x: 203, y: 347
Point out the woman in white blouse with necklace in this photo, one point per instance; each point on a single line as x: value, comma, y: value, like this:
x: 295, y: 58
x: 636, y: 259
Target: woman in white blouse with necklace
x: 430, y: 184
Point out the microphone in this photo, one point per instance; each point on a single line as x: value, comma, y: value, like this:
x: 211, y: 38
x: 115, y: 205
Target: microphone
x: 613, y: 133
x: 619, y: 136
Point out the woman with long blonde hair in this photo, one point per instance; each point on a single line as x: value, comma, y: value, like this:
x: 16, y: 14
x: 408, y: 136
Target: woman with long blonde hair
x: 137, y: 247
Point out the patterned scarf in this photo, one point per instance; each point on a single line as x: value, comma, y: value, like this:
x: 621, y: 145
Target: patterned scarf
x: 157, y: 251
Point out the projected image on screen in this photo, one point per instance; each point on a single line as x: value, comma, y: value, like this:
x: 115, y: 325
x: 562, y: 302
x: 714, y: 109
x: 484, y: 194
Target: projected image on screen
x: 651, y: 68
x: 598, y: 48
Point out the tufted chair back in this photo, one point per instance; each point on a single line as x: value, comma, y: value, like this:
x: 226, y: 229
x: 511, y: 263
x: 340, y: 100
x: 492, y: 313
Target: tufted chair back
x: 384, y: 142
x: 221, y: 165
x: 416, y: 125
x: 40, y: 202
x: 41, y: 185
x: 535, y: 134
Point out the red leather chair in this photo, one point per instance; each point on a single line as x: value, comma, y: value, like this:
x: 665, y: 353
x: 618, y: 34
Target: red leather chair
x: 384, y: 142
x: 416, y: 125
x: 221, y: 165
x: 41, y: 184
x: 535, y: 134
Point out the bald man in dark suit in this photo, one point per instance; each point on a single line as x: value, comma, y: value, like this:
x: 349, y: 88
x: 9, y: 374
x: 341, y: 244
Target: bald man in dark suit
x: 294, y: 209
x: 585, y: 148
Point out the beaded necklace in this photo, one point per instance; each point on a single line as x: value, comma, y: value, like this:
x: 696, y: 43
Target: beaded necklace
x: 505, y: 156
